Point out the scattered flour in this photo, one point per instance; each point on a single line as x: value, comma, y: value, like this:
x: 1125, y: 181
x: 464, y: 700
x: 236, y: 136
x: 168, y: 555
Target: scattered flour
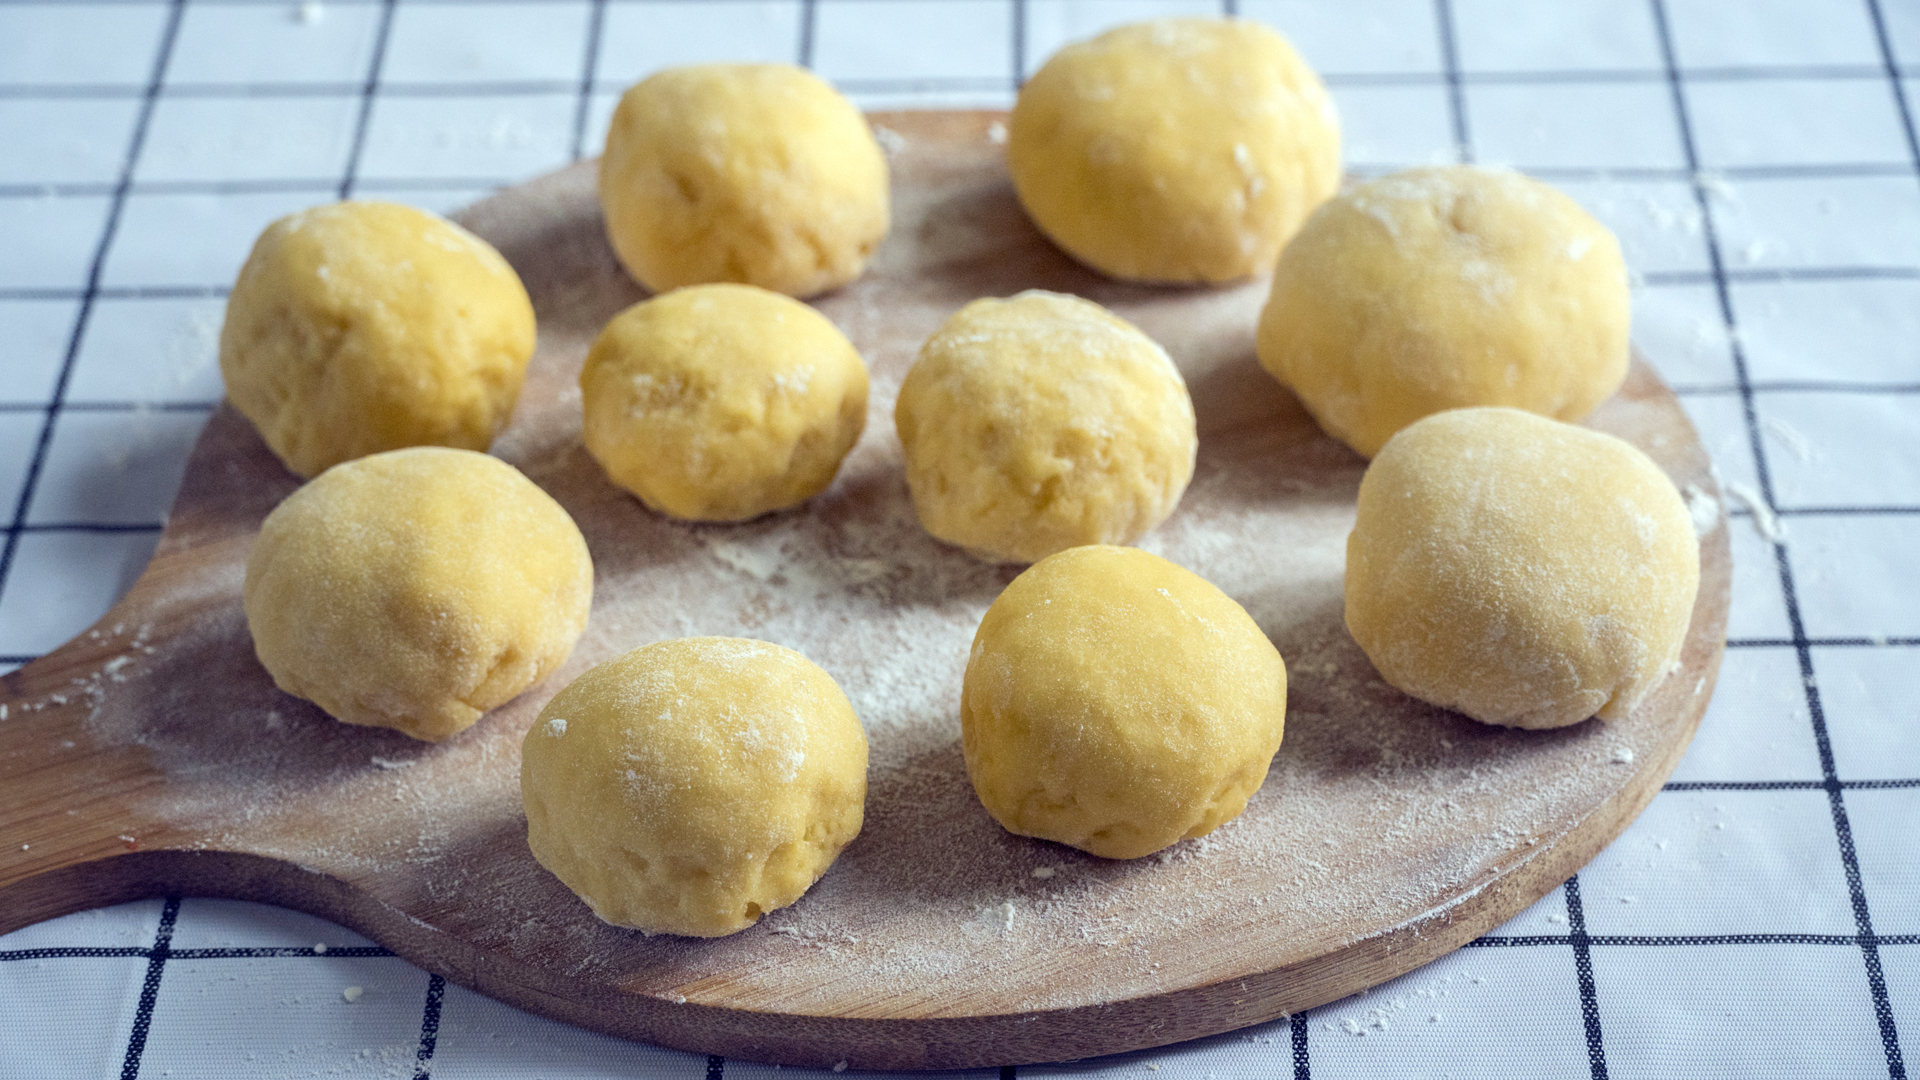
x: 1765, y: 522
x: 1703, y: 508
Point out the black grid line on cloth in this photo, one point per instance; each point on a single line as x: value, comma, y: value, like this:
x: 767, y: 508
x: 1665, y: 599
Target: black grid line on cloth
x: 293, y: 184
x: 102, y: 527
x: 1297, y: 1031
x: 589, y: 67
x: 1823, y: 643
x: 1017, y: 44
x: 1795, y: 386
x: 1892, y: 70
x: 1583, y: 974
x: 1783, y: 274
x: 150, y: 990
x: 249, y: 952
x: 40, y: 190
x: 1787, y: 785
x: 1498, y: 941
x: 717, y: 1067
x: 803, y: 52
x: 1843, y: 511
x: 369, y: 91
x: 116, y: 207
x: 60, y: 952
x: 1675, y: 279
x: 1456, y: 93
x: 110, y: 406
x: 1836, y: 800
x: 429, y: 1028
x: 1008, y: 1072
x: 72, y: 952
x: 1335, y: 79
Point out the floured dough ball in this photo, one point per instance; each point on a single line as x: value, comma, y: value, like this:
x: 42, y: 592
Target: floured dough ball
x: 1520, y: 570
x: 416, y: 589
x: 1118, y: 703
x: 754, y: 173
x: 692, y: 786
x: 722, y: 402
x: 1446, y: 288
x: 1182, y: 150
x: 1041, y: 422
x: 359, y: 327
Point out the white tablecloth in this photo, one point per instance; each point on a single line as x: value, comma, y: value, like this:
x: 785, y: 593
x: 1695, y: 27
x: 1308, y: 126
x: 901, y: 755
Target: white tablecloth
x: 1758, y: 161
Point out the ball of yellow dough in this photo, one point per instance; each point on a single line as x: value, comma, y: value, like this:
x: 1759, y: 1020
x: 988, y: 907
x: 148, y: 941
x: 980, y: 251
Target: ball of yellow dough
x: 416, y: 589
x: 1041, y: 422
x: 760, y: 174
x: 722, y: 402
x: 1117, y: 703
x: 1181, y: 150
x: 359, y: 327
x: 692, y: 786
x: 1446, y: 288
x: 1520, y: 570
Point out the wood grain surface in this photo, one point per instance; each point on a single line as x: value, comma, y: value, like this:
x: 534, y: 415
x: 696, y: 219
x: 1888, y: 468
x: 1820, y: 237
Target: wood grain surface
x: 153, y: 755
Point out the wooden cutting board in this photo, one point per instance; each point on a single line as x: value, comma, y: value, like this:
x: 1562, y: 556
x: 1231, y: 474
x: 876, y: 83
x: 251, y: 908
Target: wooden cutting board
x: 152, y: 755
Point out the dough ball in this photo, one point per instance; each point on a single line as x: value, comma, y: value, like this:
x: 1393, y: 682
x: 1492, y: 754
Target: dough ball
x: 416, y: 589
x: 1118, y: 703
x: 692, y: 786
x: 754, y: 173
x: 1042, y: 422
x: 1182, y: 150
x: 1445, y: 288
x: 359, y: 327
x: 1520, y: 570
x: 722, y: 402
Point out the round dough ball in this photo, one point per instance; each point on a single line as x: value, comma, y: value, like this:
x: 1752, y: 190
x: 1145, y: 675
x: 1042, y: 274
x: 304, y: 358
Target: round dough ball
x: 1182, y: 150
x: 416, y: 589
x: 1118, y: 703
x: 722, y: 402
x: 753, y: 173
x: 692, y: 786
x: 1520, y: 570
x: 359, y: 327
x: 1446, y: 288
x: 1042, y: 422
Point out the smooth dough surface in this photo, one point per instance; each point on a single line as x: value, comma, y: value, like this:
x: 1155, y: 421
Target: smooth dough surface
x: 358, y: 327
x: 760, y: 174
x: 1520, y: 570
x: 416, y: 589
x: 1446, y: 288
x: 722, y: 402
x: 692, y: 786
x: 1118, y: 703
x: 1040, y: 422
x: 1180, y: 150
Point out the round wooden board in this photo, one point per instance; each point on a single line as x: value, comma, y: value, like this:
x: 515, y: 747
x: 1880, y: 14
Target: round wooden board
x: 153, y: 755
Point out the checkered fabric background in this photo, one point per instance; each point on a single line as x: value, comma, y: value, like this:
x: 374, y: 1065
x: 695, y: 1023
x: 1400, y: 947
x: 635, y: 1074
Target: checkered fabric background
x: 1758, y: 160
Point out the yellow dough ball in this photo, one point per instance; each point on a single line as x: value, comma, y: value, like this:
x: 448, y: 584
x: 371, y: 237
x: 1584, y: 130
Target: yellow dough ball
x: 1181, y: 150
x: 416, y: 589
x: 692, y: 786
x: 1520, y: 570
x: 359, y: 327
x: 1041, y: 422
x: 1446, y: 288
x: 1118, y: 703
x: 722, y: 402
x: 754, y: 173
